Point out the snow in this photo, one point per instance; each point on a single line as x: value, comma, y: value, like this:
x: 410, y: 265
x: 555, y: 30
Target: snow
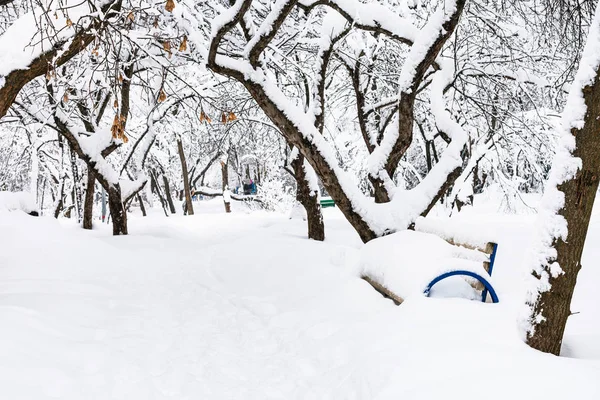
x: 376, y: 15
x: 227, y: 195
x: 14, y: 201
x: 242, y: 305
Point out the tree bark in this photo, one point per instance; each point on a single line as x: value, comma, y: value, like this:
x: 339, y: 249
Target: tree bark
x: 553, y: 305
x: 309, y: 200
x: 225, y: 185
x: 61, y: 201
x: 168, y: 195
x: 580, y: 194
x: 186, y: 181
x: 117, y: 211
x: 142, y: 207
x: 88, y: 205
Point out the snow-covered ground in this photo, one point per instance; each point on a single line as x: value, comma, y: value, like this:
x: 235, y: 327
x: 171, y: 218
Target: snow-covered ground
x: 242, y: 306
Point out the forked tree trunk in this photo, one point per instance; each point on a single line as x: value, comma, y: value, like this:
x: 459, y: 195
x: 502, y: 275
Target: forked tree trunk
x: 551, y: 309
x: 88, y: 204
x: 186, y: 180
x: 305, y: 144
x: 309, y: 200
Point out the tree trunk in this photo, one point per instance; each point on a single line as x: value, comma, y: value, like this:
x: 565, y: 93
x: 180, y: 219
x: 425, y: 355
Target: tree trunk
x: 225, y: 185
x: 88, y: 205
x: 551, y: 308
x: 156, y: 189
x: 142, y: 208
x: 379, y: 191
x: 309, y: 200
x: 117, y: 212
x: 168, y: 195
x: 61, y: 203
x: 77, y: 201
x: 186, y: 181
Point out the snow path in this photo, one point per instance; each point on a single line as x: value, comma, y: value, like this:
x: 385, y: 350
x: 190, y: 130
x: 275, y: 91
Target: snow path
x: 240, y: 306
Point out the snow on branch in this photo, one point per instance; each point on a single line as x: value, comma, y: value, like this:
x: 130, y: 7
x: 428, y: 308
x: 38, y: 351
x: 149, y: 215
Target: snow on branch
x: 267, y: 30
x: 37, y: 42
x: 298, y: 125
x: 372, y: 17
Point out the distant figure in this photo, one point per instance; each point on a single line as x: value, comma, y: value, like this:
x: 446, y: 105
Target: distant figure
x: 248, y: 186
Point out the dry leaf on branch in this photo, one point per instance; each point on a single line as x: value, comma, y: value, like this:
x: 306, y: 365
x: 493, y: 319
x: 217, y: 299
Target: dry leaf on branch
x: 183, y: 45
x: 231, y: 117
x: 116, y: 128
x: 170, y: 6
x: 204, y: 117
x: 162, y: 96
x: 167, y: 47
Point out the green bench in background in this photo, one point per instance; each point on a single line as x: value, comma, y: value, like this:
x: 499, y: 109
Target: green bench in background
x: 327, y: 203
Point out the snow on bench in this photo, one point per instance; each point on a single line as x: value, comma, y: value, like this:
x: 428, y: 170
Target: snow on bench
x: 15, y: 201
x: 405, y: 263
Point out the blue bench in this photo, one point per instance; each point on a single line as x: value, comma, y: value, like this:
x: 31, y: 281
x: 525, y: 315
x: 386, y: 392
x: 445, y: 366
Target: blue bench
x: 487, y: 286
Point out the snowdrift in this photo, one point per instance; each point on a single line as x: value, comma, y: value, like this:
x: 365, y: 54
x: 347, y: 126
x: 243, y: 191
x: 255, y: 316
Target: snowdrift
x: 14, y: 201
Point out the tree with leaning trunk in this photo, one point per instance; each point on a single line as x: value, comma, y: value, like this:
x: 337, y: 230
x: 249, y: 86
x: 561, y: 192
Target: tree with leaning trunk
x: 567, y: 204
x: 250, y: 63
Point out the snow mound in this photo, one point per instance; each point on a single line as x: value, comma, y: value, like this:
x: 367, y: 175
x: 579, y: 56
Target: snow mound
x: 407, y: 261
x: 14, y: 201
